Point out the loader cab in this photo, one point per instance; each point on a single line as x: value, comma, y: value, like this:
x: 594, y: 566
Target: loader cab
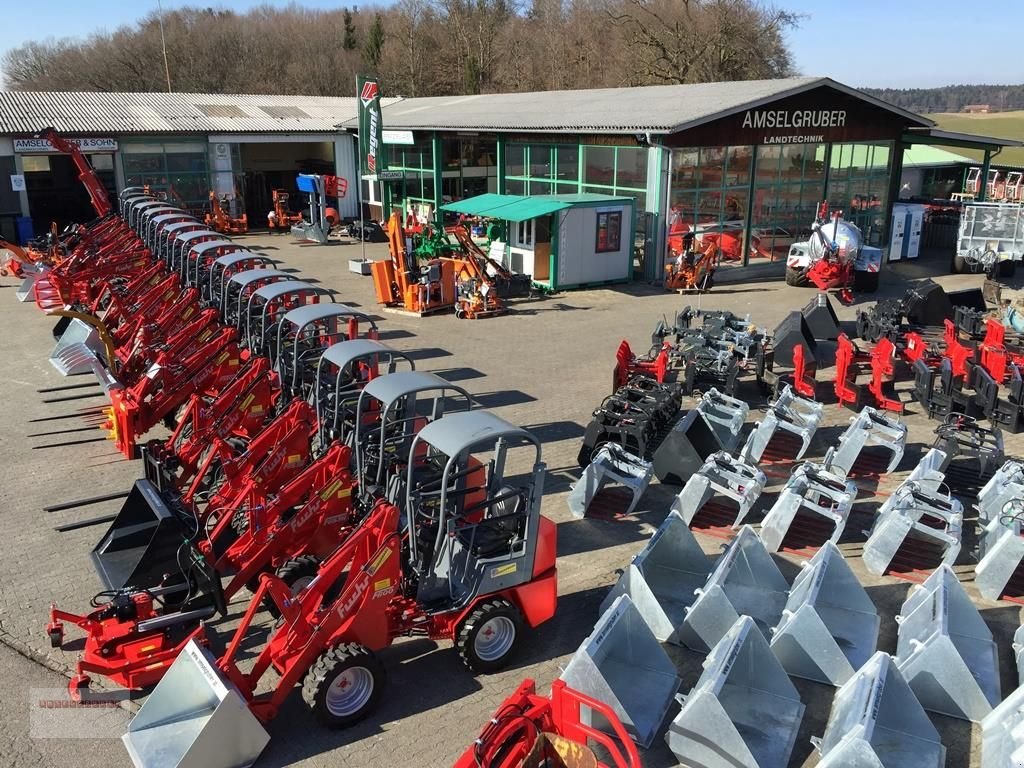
x: 171, y: 233
x: 266, y: 307
x: 239, y: 287
x: 474, y: 529
x: 303, y: 334
x: 200, y: 257
x: 390, y: 411
x: 138, y: 209
x: 129, y: 196
x: 341, y: 373
x: 181, y: 246
x: 158, y: 223
x: 126, y: 204
x: 226, y: 265
x: 145, y: 224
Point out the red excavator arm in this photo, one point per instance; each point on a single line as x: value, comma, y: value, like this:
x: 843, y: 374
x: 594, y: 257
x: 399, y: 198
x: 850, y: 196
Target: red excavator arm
x: 97, y: 192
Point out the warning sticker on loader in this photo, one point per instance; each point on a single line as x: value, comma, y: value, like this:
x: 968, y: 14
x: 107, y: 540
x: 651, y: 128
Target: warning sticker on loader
x: 504, y: 570
x: 382, y: 587
x: 382, y: 558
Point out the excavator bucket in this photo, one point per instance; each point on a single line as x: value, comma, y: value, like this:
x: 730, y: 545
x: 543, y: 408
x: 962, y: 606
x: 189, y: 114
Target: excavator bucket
x: 610, y: 463
x: 945, y: 650
x: 77, y: 349
x: 194, y: 719
x: 877, y: 722
x: 663, y: 579
x: 746, y: 581
x: 830, y: 626
x: 622, y: 665
x: 142, y: 543
x: 744, y: 712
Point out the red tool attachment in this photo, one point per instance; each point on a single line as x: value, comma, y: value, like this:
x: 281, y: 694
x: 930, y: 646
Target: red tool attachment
x: 628, y: 365
x: 529, y: 731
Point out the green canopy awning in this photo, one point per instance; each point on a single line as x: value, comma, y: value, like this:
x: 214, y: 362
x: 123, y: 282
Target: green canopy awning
x: 507, y: 207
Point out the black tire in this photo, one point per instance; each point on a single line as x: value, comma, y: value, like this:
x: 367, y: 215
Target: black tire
x: 1007, y: 268
x: 360, y: 668
x: 497, y: 618
x: 294, y: 573
x: 795, y: 277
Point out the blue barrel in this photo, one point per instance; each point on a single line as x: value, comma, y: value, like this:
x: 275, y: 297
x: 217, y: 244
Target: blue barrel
x: 23, y: 226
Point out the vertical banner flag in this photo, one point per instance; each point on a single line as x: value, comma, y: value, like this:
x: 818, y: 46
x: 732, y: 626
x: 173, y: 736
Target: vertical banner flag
x: 371, y: 136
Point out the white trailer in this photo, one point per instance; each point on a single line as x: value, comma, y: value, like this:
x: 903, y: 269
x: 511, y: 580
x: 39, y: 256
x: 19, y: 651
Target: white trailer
x: 990, y: 238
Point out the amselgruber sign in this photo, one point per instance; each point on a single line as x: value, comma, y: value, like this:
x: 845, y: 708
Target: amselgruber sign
x: 40, y: 146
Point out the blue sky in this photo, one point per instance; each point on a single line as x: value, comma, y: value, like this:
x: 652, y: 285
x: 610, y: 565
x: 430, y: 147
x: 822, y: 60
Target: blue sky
x: 872, y: 43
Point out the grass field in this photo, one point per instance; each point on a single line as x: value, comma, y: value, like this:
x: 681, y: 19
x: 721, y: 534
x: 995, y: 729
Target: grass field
x: 1007, y: 125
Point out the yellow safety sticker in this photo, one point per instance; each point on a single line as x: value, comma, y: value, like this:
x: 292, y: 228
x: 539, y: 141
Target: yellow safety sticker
x: 329, y: 490
x: 294, y: 459
x: 147, y: 648
x: 382, y: 584
x: 382, y: 558
x: 504, y: 570
x: 249, y: 399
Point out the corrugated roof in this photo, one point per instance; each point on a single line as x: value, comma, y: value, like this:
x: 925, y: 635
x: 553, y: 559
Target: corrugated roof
x: 656, y: 108
x: 155, y: 113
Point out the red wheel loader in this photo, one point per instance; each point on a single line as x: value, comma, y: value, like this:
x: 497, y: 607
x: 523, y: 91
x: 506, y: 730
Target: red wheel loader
x: 467, y: 557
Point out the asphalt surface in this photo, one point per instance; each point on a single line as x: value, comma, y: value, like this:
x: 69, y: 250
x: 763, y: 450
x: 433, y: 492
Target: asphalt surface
x: 545, y: 367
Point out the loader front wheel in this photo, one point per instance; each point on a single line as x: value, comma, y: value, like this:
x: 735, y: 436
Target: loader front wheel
x: 489, y: 635
x: 795, y: 277
x: 343, y: 685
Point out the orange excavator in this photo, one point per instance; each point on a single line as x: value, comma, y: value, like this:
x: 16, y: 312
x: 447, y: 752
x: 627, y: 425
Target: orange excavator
x: 692, y: 270
x: 283, y: 217
x: 219, y: 220
x: 450, y: 279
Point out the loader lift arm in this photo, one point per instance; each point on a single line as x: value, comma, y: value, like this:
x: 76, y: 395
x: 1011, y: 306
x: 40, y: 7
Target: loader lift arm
x: 86, y: 174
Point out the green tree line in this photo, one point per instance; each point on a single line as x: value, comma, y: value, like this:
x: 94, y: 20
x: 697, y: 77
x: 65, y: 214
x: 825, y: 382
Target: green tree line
x: 953, y: 98
x: 419, y: 48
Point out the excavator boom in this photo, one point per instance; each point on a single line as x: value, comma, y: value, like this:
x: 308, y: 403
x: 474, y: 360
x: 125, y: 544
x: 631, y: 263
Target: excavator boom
x: 86, y: 174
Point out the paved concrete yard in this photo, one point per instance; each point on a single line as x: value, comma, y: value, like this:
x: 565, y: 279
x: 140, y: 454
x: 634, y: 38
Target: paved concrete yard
x: 545, y: 367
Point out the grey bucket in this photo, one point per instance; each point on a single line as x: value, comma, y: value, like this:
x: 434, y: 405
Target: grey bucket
x: 829, y: 628
x: 870, y: 427
x: 663, y: 578
x: 622, y: 665
x: 1005, y: 486
x: 945, y: 650
x: 721, y: 477
x: 78, y: 348
x: 1002, y: 549
x: 610, y: 463
x: 877, y: 722
x: 194, y: 719
x: 744, y: 710
x: 1002, y: 733
x: 746, y: 581
x: 814, y: 489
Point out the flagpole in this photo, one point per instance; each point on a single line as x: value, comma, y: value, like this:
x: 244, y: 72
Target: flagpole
x: 359, y: 196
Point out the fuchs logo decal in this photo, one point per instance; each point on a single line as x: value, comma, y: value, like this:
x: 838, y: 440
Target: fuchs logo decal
x: 369, y: 93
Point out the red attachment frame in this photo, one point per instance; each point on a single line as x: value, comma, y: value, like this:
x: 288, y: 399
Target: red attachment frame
x: 628, y: 365
x: 525, y: 718
x: 956, y: 351
x: 883, y: 368
x: 804, y: 382
x: 847, y: 358
x: 995, y: 357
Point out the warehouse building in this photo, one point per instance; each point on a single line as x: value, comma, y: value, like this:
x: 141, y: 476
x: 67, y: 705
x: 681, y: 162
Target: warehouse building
x: 746, y: 162
x: 180, y: 144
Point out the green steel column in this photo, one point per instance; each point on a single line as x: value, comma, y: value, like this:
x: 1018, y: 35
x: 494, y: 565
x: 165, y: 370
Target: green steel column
x: 435, y: 149
x: 500, y: 160
x: 983, y: 181
x: 750, y: 205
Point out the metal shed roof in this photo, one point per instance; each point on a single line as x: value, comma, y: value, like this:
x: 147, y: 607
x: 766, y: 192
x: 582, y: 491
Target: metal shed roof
x: 520, y: 208
x: 149, y: 113
x: 655, y: 109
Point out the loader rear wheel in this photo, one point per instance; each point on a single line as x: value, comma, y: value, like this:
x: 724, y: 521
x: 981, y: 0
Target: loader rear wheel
x: 343, y: 685
x: 489, y: 635
x: 795, y: 277
x: 296, y: 574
